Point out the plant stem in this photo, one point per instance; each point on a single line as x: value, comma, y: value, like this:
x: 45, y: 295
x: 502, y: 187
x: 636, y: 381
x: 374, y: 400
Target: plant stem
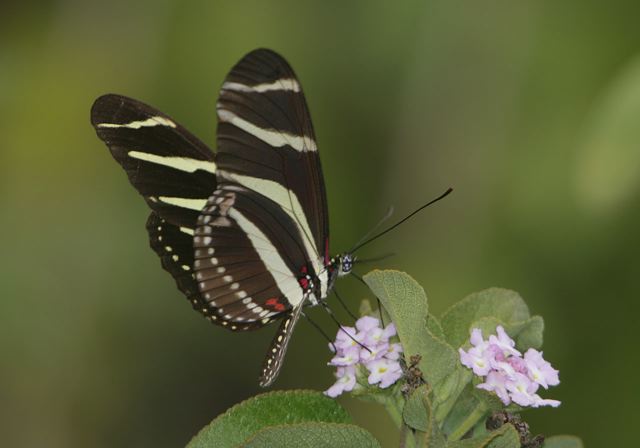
x: 394, y: 407
x: 478, y: 413
x: 403, y: 436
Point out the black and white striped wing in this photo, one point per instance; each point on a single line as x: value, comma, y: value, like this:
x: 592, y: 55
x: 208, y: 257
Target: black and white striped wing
x: 172, y: 170
x: 265, y: 228
x: 266, y: 143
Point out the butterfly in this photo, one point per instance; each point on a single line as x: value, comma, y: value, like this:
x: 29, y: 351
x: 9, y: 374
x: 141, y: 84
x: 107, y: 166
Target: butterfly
x: 245, y: 231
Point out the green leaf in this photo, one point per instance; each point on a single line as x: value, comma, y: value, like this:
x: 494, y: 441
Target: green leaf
x: 406, y: 302
x: 529, y: 335
x: 563, y: 442
x: 418, y: 414
x: 417, y: 409
x: 485, y: 310
x: 434, y: 326
x: 450, y: 389
x: 504, y: 437
x: 313, y: 435
x: 274, y: 408
x: 466, y: 404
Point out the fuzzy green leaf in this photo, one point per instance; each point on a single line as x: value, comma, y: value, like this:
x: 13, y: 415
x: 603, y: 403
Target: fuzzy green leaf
x: 449, y: 390
x: 504, y: 437
x: 313, y: 435
x: 417, y: 409
x: 245, y: 419
x: 435, y: 327
x: 563, y: 441
x: 485, y: 310
x: 466, y: 403
x: 418, y: 414
x: 406, y: 302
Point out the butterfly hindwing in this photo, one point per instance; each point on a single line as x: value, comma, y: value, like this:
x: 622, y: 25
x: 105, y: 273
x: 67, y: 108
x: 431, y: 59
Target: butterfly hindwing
x: 240, y: 265
x: 175, y: 249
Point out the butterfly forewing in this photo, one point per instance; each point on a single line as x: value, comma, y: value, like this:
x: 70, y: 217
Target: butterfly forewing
x: 171, y: 168
x: 266, y: 143
x: 270, y: 191
x: 173, y: 171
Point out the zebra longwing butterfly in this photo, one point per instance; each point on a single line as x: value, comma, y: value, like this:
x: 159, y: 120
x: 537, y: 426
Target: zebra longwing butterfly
x: 244, y: 232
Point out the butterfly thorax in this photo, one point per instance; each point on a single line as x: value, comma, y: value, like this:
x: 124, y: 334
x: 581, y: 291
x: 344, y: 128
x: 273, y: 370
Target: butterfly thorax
x: 338, y: 266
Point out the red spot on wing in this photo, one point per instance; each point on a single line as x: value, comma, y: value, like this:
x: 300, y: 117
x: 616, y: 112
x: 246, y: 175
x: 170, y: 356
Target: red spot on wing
x: 304, y: 282
x: 273, y: 303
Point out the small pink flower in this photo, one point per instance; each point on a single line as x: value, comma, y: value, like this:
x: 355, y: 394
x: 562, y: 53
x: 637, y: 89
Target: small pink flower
x: 495, y: 382
x: 477, y: 340
x: 545, y: 402
x: 518, y: 364
x: 373, y: 353
x: 380, y: 357
x: 522, y: 390
x: 504, y: 342
x: 346, y: 357
x: 377, y: 335
x: 477, y: 360
x: 367, y: 323
x: 384, y: 372
x: 512, y: 377
x: 345, y: 338
x: 540, y: 370
x: 389, y: 331
x: 394, y: 350
x: 346, y: 381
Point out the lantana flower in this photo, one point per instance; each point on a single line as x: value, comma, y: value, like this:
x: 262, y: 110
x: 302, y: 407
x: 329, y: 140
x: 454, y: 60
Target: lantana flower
x: 512, y: 377
x: 368, y: 349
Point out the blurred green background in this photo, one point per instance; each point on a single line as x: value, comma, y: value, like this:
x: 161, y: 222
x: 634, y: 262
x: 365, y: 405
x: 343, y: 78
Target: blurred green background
x: 530, y: 110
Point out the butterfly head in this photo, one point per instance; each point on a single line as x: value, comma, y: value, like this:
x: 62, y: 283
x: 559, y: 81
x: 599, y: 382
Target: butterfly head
x: 346, y: 262
x: 342, y: 265
x: 339, y: 266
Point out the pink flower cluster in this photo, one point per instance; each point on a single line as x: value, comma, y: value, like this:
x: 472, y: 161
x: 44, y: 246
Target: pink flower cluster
x: 513, y: 377
x: 372, y: 350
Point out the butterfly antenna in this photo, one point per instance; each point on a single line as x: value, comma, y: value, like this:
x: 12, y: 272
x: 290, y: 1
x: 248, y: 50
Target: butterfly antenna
x: 374, y: 259
x: 377, y: 299
x: 409, y: 216
x: 321, y: 331
x: 344, y: 305
x: 333, y: 317
x: 376, y: 227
